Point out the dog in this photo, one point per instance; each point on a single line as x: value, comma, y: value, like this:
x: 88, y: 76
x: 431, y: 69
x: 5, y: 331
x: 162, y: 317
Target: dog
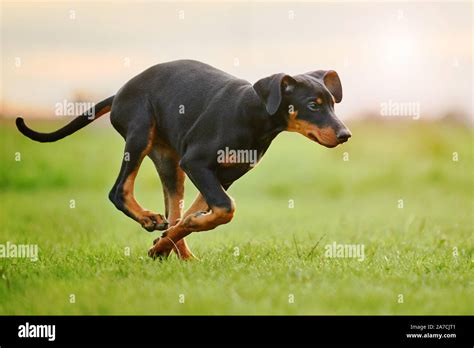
x: 181, y: 114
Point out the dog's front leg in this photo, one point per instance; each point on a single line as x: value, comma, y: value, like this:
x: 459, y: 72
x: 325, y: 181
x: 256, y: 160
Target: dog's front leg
x: 221, y: 206
x: 182, y: 249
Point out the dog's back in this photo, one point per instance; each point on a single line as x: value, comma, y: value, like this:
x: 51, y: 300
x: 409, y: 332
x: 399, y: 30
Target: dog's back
x: 178, y: 92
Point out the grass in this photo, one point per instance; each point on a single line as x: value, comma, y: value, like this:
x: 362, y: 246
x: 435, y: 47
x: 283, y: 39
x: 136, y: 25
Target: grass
x: 281, y: 251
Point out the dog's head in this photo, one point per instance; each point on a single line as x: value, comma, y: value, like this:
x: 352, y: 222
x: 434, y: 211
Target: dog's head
x: 307, y: 103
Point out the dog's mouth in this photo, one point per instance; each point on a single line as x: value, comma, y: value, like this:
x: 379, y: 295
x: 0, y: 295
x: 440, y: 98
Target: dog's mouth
x: 314, y: 137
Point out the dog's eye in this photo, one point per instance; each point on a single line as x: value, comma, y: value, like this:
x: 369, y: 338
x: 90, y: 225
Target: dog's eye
x: 313, y: 106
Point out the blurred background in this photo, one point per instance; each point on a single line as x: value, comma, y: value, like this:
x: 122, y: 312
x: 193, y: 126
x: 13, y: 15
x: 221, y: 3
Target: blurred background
x: 401, y: 52
x: 402, y: 186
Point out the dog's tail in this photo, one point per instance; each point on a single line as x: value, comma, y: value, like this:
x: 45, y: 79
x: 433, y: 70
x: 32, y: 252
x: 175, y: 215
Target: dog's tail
x: 79, y: 122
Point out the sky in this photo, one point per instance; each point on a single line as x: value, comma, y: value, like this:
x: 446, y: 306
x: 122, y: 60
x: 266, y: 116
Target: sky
x: 384, y: 52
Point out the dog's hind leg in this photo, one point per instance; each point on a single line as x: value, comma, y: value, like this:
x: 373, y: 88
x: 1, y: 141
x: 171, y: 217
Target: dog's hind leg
x: 172, y: 179
x: 139, y: 143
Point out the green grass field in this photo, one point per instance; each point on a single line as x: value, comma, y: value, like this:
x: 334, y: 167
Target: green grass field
x: 281, y: 250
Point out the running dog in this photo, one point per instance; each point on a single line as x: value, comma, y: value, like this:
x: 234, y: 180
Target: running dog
x: 181, y: 114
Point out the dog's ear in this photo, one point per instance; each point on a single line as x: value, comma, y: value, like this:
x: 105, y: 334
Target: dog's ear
x: 331, y: 80
x: 271, y: 90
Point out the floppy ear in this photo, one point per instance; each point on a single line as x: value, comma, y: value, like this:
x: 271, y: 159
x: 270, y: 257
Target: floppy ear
x: 331, y: 80
x: 271, y: 90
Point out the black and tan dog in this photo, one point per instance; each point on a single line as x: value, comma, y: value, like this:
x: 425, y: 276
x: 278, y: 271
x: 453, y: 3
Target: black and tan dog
x: 181, y: 114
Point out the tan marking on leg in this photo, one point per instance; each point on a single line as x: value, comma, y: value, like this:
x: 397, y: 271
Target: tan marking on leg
x: 174, y: 200
x: 175, y: 213
x: 204, y: 222
x: 128, y: 190
x: 146, y: 218
x: 199, y: 204
x: 195, y: 222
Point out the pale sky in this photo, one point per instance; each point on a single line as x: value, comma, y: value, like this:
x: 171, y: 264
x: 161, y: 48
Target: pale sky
x: 403, y: 52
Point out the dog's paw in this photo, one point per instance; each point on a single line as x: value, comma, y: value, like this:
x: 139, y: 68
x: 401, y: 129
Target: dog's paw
x: 154, y: 254
x: 152, y: 222
x: 160, y: 250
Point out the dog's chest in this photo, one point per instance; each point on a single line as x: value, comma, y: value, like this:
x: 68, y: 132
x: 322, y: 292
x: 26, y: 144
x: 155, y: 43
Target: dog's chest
x: 234, y: 161
x: 228, y: 173
x: 232, y: 164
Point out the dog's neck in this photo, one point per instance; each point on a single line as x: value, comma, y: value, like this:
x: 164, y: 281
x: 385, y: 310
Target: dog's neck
x: 275, y: 124
x: 266, y: 126
x: 271, y: 126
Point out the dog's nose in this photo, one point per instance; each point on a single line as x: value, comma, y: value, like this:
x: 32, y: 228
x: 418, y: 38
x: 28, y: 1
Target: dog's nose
x: 343, y: 135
